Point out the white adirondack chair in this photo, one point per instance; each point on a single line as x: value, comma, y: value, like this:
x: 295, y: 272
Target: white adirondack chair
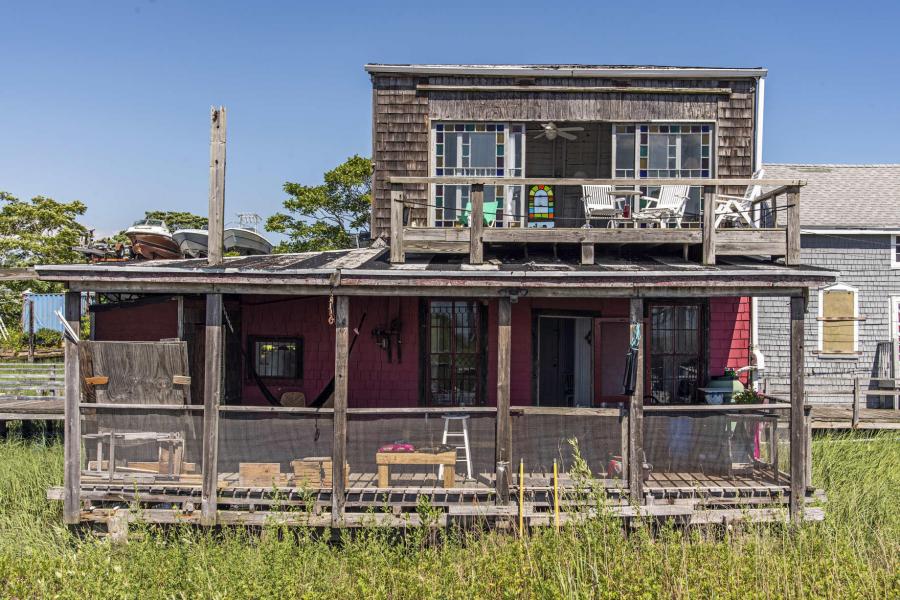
x: 599, y: 203
x: 735, y: 209
x: 668, y: 207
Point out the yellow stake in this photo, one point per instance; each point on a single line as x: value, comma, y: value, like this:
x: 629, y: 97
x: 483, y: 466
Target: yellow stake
x: 521, y: 496
x: 555, y: 495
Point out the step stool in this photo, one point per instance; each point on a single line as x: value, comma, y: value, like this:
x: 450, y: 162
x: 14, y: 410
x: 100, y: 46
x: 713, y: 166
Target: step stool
x: 464, y: 434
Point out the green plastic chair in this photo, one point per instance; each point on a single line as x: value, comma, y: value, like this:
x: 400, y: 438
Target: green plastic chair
x: 490, y: 213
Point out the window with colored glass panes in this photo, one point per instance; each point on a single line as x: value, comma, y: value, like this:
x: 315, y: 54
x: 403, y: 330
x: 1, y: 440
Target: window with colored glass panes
x: 477, y: 150
x: 662, y: 151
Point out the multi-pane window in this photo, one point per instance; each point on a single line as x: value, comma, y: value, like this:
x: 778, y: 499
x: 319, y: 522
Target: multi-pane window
x: 895, y: 251
x: 675, y: 352
x: 277, y: 358
x: 477, y: 150
x: 661, y: 151
x: 455, y: 354
x: 838, y: 318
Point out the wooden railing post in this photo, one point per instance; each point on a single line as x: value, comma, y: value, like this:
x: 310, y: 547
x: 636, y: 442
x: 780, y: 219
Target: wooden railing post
x: 792, y: 256
x: 72, y: 425
x: 636, y: 410
x: 398, y: 255
x: 476, y: 225
x: 212, y: 394
x: 709, y: 225
x: 857, y: 398
x: 799, y: 456
x: 339, y: 445
x: 504, y: 425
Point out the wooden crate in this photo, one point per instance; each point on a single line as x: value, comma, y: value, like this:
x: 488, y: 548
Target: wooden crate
x: 261, y: 475
x: 315, y: 471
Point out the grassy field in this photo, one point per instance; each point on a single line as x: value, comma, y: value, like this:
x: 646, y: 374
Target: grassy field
x: 855, y: 553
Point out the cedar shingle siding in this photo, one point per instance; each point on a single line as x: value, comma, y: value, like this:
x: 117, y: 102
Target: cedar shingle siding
x: 864, y: 262
x: 401, y: 117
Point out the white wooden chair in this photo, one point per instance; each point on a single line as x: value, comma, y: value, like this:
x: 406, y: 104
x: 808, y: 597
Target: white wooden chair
x: 668, y: 207
x: 738, y: 209
x: 599, y: 203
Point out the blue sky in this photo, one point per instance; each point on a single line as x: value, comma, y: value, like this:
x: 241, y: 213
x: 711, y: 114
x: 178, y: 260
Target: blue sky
x: 108, y: 102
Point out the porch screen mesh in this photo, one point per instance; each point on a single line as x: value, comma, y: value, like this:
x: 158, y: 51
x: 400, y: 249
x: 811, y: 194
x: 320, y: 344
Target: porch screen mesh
x: 272, y: 449
x: 538, y: 439
x: 141, y: 445
x: 411, y: 447
x: 714, y: 448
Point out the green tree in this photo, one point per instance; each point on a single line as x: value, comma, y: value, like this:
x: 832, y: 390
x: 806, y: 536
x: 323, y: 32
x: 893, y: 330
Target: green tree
x: 40, y: 231
x: 326, y: 216
x: 178, y: 220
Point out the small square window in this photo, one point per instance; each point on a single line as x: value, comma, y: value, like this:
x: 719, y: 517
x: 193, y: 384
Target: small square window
x: 277, y: 358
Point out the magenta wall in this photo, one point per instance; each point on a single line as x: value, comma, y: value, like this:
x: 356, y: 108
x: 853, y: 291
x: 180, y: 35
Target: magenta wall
x: 148, y: 322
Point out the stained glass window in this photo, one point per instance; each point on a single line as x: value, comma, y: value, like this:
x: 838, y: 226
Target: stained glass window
x: 541, y: 206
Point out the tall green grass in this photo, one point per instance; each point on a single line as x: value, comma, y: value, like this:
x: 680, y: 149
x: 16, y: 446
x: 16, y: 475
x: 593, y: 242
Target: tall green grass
x: 855, y: 553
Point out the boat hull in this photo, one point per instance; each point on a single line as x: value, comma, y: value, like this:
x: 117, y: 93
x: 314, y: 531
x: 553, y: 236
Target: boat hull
x: 152, y: 246
x: 193, y: 243
x: 246, y: 242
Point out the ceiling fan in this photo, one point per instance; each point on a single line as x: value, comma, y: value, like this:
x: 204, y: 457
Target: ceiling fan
x: 551, y: 131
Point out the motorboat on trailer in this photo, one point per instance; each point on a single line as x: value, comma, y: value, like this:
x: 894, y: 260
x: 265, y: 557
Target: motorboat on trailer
x: 151, y: 239
x: 245, y: 239
x: 193, y: 243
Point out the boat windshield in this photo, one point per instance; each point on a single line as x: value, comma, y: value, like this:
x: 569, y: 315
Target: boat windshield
x: 150, y: 222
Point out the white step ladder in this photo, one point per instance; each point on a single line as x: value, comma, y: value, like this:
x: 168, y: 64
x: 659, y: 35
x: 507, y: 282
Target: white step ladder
x: 464, y: 434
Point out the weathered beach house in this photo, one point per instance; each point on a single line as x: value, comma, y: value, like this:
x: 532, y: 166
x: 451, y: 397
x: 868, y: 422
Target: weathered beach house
x: 565, y: 266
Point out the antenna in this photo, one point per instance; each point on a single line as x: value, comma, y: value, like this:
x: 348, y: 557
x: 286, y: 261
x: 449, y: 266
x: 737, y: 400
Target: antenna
x: 249, y: 220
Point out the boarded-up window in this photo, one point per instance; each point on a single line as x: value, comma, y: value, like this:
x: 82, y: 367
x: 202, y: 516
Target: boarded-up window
x: 839, y: 320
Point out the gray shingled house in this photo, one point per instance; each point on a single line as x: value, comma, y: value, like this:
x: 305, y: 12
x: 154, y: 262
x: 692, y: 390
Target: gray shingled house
x: 850, y: 219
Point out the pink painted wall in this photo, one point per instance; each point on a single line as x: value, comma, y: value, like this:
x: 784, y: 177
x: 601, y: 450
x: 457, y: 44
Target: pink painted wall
x: 375, y: 382
x: 729, y: 335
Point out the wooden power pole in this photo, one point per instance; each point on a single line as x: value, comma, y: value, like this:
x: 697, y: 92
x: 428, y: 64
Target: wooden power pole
x: 215, y: 248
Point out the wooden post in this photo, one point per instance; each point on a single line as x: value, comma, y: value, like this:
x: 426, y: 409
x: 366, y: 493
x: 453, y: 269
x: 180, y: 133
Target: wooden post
x: 398, y: 256
x: 215, y: 246
x: 799, y: 455
x: 709, y: 225
x: 339, y: 446
x: 587, y: 253
x: 636, y: 411
x: 857, y: 395
x: 31, y: 329
x: 504, y: 425
x: 212, y: 395
x: 72, y: 425
x: 476, y: 225
x: 793, y: 226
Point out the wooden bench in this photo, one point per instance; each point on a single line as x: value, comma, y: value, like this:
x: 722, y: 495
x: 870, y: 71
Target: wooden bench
x: 384, y: 460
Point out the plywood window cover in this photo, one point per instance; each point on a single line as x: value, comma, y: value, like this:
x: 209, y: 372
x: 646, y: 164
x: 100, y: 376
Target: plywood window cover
x: 845, y: 346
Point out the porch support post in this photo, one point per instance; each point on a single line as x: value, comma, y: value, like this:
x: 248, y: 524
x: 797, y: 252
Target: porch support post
x: 339, y: 446
x: 212, y: 394
x: 397, y: 253
x: 476, y: 225
x: 587, y: 253
x: 636, y: 411
x: 709, y: 225
x: 792, y: 256
x: 504, y: 425
x: 799, y: 448
x: 72, y: 426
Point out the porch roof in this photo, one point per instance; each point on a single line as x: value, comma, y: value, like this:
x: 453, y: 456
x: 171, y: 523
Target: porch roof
x: 367, y: 271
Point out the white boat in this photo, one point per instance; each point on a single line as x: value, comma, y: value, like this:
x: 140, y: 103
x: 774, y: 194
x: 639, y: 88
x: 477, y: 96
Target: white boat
x: 245, y: 239
x: 193, y: 243
x: 151, y: 239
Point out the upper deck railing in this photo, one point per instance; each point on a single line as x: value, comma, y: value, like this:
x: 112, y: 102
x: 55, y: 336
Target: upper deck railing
x: 776, y: 214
